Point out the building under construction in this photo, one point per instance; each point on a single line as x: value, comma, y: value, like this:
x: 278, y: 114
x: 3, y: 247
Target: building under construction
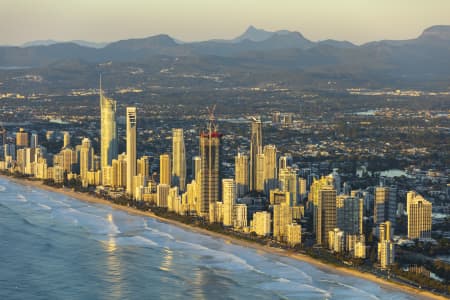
x: 210, y: 163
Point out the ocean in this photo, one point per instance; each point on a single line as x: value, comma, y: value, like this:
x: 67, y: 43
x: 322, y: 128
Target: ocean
x: 56, y: 247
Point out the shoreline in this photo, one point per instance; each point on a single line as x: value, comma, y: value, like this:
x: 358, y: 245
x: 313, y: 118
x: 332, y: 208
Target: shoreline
x: 229, y: 239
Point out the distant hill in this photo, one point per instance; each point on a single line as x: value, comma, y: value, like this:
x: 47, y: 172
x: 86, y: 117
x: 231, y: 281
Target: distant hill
x: 52, y: 42
x: 40, y: 43
x: 425, y: 58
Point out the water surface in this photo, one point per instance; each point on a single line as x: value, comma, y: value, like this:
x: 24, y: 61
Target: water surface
x: 56, y: 247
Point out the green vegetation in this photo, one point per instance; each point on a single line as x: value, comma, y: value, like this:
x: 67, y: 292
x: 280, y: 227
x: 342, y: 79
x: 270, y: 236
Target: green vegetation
x: 421, y: 280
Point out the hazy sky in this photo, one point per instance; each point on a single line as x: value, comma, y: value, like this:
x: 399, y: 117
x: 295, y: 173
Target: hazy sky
x: 108, y: 20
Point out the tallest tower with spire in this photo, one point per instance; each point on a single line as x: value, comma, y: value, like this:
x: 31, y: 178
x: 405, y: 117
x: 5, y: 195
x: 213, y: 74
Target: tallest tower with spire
x: 255, y: 150
x: 108, y: 127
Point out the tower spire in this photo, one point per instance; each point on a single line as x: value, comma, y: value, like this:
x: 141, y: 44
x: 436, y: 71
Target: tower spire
x: 101, y: 91
x: 211, y: 123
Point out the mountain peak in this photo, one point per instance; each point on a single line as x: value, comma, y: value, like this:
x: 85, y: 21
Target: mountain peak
x: 439, y: 31
x: 254, y: 34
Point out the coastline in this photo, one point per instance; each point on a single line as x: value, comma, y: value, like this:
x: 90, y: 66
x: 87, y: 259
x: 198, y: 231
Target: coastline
x: 229, y: 239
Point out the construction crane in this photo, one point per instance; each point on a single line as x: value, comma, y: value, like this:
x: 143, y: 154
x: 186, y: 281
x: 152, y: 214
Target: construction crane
x: 211, y: 125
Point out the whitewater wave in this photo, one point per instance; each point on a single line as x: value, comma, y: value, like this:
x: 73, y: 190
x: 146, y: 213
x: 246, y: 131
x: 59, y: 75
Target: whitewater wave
x: 135, y: 241
x: 157, y: 232
x: 2, y: 188
x: 46, y: 207
x: 286, y: 287
x: 21, y: 198
x: 94, y: 224
x: 367, y: 294
x: 293, y: 271
x: 219, y: 259
x: 59, y: 202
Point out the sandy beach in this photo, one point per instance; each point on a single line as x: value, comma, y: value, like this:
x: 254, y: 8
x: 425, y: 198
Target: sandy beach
x: 325, y: 267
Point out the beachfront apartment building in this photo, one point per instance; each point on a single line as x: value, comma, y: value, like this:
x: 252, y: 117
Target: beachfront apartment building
x: 419, y: 216
x: 293, y: 234
x: 261, y: 223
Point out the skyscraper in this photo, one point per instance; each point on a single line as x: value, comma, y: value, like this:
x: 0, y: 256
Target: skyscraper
x: 241, y: 174
x: 261, y: 223
x: 119, y: 168
x: 86, y: 159
x: 143, y: 167
x: 385, y: 205
x: 259, y: 175
x: 386, y: 254
x: 66, y: 139
x: 34, y: 140
x: 385, y: 231
x: 283, y: 162
x: 22, y: 138
x: 324, y: 205
x: 289, y: 183
x: 178, y: 159
x: 240, y: 216
x: 349, y: 214
x: 108, y: 141
x: 270, y: 168
x: 164, y: 169
x: 131, y: 149
x: 419, y: 216
x: 255, y: 149
x: 2, y: 136
x: 209, y: 153
x: 196, y: 168
x: 282, y: 216
x: 386, y: 249
x: 229, y: 199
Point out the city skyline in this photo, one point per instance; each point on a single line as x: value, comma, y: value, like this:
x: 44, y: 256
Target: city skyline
x: 308, y: 131
x: 337, y: 227
x: 351, y: 20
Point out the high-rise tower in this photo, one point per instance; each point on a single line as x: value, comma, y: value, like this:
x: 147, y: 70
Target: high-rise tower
x: 66, y: 139
x: 22, y: 138
x: 385, y: 205
x: 241, y: 174
x: 349, y: 214
x: 270, y: 168
x: 209, y: 174
x: 131, y: 149
x: 2, y: 136
x: 86, y: 159
x: 419, y: 216
x: 324, y: 202
x: 164, y: 169
x: 229, y: 200
x: 34, y: 142
x: 196, y: 168
x: 255, y: 149
x: 178, y: 159
x: 108, y: 142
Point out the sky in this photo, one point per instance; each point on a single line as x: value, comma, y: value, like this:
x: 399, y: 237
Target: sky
x: 358, y: 21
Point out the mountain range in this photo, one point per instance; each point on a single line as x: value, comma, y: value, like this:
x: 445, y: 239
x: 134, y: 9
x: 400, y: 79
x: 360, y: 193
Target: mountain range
x: 426, y: 57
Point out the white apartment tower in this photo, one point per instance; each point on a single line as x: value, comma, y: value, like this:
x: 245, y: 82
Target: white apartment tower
x: 131, y: 149
x: 419, y: 216
x: 178, y: 159
x: 229, y: 200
